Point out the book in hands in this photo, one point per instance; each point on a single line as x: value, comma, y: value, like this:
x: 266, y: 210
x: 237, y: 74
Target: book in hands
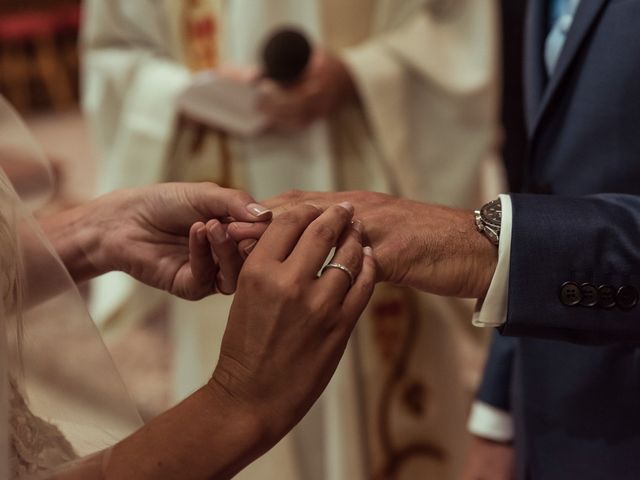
x: 224, y: 104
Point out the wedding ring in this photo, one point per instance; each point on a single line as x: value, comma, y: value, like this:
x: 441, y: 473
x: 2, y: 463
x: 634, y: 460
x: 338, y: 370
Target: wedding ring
x: 342, y: 268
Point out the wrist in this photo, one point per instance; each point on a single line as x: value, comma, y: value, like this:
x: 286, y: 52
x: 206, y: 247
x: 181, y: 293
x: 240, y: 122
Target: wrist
x: 484, y: 261
x: 460, y: 260
x: 75, y: 237
x: 207, y: 435
x: 249, y: 429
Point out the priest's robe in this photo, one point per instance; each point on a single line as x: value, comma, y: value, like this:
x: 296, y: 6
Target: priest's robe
x: 424, y: 127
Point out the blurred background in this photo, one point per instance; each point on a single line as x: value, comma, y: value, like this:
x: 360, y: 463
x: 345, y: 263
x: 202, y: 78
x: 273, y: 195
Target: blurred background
x: 40, y: 77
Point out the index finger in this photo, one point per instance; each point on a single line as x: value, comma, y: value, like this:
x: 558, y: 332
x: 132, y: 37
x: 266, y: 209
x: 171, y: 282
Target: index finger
x: 283, y: 234
x: 320, y: 238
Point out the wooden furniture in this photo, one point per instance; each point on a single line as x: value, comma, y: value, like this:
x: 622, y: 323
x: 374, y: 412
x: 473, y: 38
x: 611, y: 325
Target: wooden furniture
x: 32, y: 55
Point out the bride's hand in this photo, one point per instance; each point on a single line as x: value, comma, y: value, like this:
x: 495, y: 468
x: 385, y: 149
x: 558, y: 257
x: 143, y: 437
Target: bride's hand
x: 164, y: 236
x: 288, y: 327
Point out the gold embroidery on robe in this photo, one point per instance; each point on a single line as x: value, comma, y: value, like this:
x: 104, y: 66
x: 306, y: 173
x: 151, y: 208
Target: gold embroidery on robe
x: 396, y: 327
x: 200, y: 31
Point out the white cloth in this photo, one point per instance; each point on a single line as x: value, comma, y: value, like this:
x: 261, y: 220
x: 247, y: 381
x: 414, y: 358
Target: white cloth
x: 489, y: 422
x: 486, y: 421
x: 307, y: 157
x: 492, y: 311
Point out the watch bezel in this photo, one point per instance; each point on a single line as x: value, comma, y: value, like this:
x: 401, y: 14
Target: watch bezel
x: 491, y: 213
x: 489, y: 220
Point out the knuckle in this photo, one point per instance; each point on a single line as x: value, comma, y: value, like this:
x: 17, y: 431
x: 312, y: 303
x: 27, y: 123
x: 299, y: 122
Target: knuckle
x: 324, y: 233
x: 322, y: 311
x: 251, y: 277
x: 342, y: 213
x: 293, y: 195
x: 352, y: 258
x: 302, y: 214
x: 311, y: 211
x: 191, y: 296
x: 290, y: 290
x: 209, y: 185
x: 288, y: 217
x: 240, y: 196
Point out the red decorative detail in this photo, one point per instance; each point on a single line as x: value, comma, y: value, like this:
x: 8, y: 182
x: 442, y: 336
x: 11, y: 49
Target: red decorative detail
x: 69, y: 17
x: 25, y: 26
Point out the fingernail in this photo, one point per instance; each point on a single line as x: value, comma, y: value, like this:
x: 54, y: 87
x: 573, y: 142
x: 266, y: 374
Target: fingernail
x: 258, y: 210
x: 218, y: 234
x: 357, y: 226
x: 368, y: 251
x: 249, y: 248
x: 347, y: 206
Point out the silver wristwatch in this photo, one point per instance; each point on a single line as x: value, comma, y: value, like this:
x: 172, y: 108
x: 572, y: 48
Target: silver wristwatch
x: 489, y: 220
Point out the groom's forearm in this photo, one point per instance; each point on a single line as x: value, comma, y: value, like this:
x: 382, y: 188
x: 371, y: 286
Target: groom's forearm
x: 428, y: 247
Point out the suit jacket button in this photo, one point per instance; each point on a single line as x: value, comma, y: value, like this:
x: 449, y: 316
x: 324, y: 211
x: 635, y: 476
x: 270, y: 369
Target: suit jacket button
x: 606, y: 296
x: 570, y: 294
x: 627, y: 297
x: 589, y: 295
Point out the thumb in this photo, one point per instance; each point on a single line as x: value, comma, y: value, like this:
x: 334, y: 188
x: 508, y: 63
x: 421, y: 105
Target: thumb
x: 213, y: 201
x: 243, y: 208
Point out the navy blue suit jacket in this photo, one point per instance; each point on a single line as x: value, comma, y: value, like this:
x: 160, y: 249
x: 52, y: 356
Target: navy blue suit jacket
x: 576, y: 405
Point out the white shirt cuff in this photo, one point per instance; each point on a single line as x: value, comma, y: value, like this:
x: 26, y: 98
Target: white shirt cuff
x: 492, y: 311
x: 491, y: 423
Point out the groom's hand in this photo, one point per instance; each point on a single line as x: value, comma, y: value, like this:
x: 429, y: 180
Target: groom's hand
x: 429, y: 247
x: 174, y: 236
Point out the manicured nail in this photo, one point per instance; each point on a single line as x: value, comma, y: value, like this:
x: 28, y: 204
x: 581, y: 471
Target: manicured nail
x: 347, y: 206
x: 249, y: 248
x: 218, y: 234
x: 368, y: 251
x: 258, y: 210
x: 357, y: 226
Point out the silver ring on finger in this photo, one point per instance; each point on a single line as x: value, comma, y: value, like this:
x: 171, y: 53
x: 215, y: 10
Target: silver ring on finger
x: 342, y: 268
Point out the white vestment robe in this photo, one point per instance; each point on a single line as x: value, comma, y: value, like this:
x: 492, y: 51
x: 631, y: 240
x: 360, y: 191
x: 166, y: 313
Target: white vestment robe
x: 424, y: 128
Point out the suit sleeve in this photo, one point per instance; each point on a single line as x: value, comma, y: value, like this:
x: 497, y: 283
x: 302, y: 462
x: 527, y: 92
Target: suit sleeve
x: 575, y: 268
x: 491, y: 415
x: 495, y: 388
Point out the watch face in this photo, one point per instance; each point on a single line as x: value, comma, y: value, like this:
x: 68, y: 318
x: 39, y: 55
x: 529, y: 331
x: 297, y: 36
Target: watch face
x: 492, y: 213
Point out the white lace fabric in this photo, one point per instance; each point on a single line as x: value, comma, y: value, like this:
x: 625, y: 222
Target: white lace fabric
x: 37, y: 446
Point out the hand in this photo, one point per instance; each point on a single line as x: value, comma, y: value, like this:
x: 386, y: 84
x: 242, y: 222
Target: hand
x: 288, y: 328
x: 489, y: 460
x: 161, y: 235
x: 324, y: 88
x: 428, y: 247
